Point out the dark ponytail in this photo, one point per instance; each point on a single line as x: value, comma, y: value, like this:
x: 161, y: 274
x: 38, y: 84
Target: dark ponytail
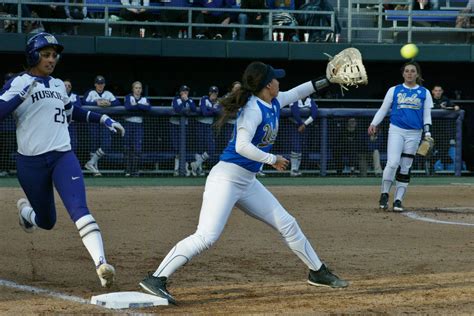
x: 251, y: 80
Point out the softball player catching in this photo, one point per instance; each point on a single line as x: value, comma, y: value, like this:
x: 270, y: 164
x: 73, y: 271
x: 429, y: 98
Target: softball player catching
x: 232, y: 180
x: 410, y: 117
x: 42, y: 108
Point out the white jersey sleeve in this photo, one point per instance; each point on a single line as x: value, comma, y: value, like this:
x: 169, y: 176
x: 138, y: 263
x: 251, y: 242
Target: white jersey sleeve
x: 16, y: 86
x: 382, y: 112
x: 427, y: 108
x: 295, y: 94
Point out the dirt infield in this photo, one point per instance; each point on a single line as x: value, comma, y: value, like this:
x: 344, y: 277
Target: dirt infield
x: 395, y: 264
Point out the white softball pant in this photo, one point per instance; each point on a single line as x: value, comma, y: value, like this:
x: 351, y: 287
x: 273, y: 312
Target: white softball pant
x: 400, y: 141
x: 227, y: 185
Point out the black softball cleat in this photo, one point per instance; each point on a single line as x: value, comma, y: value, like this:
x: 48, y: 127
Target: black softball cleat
x: 157, y: 286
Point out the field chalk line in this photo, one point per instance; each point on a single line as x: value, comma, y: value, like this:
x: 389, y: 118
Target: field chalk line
x: 37, y: 290
x: 414, y: 215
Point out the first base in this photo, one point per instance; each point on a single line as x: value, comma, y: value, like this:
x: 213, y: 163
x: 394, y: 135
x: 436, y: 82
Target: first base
x: 118, y: 300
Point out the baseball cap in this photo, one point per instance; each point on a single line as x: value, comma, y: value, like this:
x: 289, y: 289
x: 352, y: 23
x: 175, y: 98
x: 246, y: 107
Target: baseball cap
x: 183, y: 88
x: 99, y: 79
x: 213, y: 89
x: 271, y: 74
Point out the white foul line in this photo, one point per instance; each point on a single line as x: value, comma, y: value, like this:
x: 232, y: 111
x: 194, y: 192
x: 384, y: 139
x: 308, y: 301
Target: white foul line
x: 432, y: 220
x: 37, y: 290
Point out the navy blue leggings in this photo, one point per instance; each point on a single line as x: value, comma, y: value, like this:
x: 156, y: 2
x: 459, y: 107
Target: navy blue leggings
x: 37, y: 174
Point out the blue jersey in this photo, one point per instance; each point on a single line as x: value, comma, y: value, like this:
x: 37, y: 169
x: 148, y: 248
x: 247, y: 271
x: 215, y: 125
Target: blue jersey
x: 408, y: 106
x: 263, y: 139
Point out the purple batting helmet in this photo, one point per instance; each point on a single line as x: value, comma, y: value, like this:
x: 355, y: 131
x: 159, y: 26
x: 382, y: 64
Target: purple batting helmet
x: 38, y: 42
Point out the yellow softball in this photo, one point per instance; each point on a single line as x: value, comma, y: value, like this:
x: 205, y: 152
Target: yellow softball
x: 409, y: 51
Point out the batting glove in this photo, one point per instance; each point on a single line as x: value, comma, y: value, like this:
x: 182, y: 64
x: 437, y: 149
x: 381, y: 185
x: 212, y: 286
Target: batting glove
x: 112, y: 125
x: 28, y: 90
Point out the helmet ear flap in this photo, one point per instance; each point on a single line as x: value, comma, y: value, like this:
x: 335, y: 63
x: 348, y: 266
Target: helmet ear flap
x: 33, y: 58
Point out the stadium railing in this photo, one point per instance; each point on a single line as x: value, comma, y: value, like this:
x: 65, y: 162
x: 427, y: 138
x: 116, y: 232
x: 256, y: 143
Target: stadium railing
x: 445, y: 19
x: 324, y: 152
x: 110, y: 7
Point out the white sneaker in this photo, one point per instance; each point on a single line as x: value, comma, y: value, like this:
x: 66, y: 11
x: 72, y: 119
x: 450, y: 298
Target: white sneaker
x: 27, y: 226
x: 295, y: 173
x: 261, y: 174
x: 106, y: 273
x: 92, y: 168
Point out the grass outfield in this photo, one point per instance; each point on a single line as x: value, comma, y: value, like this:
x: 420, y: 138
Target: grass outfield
x: 273, y: 181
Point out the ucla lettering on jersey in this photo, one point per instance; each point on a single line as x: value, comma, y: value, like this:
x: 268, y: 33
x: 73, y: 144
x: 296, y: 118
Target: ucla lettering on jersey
x: 408, y: 107
x: 45, y: 107
x: 264, y: 137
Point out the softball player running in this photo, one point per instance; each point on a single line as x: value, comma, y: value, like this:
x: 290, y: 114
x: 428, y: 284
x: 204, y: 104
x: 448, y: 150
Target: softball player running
x: 232, y: 180
x: 41, y: 108
x: 410, y: 117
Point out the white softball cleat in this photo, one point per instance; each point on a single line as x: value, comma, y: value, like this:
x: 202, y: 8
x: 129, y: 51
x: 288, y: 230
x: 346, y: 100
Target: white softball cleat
x: 106, y: 273
x: 92, y: 168
x: 25, y: 224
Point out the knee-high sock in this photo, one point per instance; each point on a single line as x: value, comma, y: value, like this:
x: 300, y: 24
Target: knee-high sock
x: 91, y: 238
x: 401, y: 186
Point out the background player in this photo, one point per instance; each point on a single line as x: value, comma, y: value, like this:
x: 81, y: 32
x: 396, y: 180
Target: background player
x: 75, y: 101
x: 182, y: 104
x: 297, y: 132
x: 135, y: 103
x: 40, y: 106
x: 410, y: 117
x: 209, y: 106
x: 101, y: 141
x: 232, y: 180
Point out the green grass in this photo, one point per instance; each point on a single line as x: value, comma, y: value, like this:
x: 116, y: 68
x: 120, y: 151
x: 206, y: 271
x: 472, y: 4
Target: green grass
x: 304, y: 181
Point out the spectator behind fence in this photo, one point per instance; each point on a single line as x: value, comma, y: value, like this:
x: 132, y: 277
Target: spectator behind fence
x: 209, y: 106
x: 9, y: 8
x: 52, y: 11
x: 441, y: 149
x: 463, y: 21
x: 311, y: 19
x: 284, y: 19
x: 175, y: 16
x: 137, y: 14
x: 440, y: 101
x: 298, y: 134
x: 7, y: 138
x: 75, y: 12
x: 136, y: 104
x: 183, y: 105
x: 76, y: 101
x: 425, y: 5
x: 213, y: 17
x: 350, y: 148
x: 101, y: 142
x: 256, y: 18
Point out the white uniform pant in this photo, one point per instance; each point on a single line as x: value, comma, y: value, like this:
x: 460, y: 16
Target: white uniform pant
x: 227, y: 185
x: 400, y: 141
